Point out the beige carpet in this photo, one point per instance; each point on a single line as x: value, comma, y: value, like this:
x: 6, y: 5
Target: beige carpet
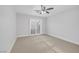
x: 43, y: 44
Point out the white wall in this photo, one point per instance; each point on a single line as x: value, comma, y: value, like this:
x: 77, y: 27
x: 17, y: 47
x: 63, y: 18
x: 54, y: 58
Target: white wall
x: 7, y: 28
x: 44, y: 25
x: 22, y: 24
x: 65, y: 25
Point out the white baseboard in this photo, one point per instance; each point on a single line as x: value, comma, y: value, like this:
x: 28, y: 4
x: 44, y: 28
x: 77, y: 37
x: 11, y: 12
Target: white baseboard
x: 21, y: 36
x: 62, y: 38
x: 27, y: 35
x: 10, y: 48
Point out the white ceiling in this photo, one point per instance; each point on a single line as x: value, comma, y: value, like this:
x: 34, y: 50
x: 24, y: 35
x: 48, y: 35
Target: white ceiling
x: 29, y: 9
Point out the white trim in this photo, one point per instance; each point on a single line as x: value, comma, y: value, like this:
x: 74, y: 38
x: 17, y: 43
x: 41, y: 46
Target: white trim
x: 28, y: 35
x: 62, y: 38
x: 21, y: 35
x: 10, y: 48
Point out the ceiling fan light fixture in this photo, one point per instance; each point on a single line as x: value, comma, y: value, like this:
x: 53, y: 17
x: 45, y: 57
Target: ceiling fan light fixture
x: 44, y: 10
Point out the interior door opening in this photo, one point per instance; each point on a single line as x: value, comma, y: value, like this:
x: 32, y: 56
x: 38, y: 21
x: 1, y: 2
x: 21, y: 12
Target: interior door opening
x: 35, y: 26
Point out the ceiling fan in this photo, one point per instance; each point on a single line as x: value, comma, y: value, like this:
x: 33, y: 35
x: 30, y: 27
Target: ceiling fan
x: 44, y: 10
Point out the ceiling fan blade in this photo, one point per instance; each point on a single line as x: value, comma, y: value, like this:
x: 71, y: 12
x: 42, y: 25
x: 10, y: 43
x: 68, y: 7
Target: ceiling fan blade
x: 47, y: 12
x: 43, y: 8
x: 49, y: 8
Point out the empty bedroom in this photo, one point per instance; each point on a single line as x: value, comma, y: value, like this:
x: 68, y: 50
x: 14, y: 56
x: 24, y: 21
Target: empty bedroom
x: 39, y: 28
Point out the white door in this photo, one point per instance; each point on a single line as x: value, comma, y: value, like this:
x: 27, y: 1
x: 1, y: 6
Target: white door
x: 35, y: 26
